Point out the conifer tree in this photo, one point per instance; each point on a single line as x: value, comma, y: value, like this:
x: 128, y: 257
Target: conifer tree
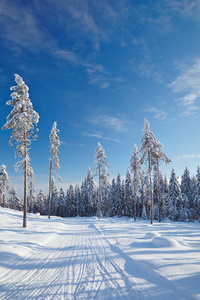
x: 99, y: 163
x: 135, y: 169
x: 33, y: 205
x: 151, y: 150
x: 4, y: 184
x: 128, y: 205
x: 175, y: 200
x: 112, y: 199
x: 41, y: 202
x: 54, y: 160
x: 118, y: 195
x: 22, y: 119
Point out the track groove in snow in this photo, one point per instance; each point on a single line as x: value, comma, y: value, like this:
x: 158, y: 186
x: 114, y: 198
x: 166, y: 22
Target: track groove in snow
x: 80, y: 259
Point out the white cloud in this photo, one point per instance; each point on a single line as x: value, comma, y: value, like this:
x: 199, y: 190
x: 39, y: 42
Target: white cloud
x: 188, y: 82
x: 99, y: 136
x: 158, y: 113
x: 186, y: 156
x: 118, y: 123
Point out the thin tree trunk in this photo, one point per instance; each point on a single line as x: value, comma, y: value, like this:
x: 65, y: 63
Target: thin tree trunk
x: 158, y: 183
x: 4, y: 193
x: 135, y: 196
x: 99, y: 192
x: 25, y: 180
x: 50, y: 186
x: 151, y: 195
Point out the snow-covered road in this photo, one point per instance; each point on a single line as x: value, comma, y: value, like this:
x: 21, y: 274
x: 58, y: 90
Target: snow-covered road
x: 82, y: 259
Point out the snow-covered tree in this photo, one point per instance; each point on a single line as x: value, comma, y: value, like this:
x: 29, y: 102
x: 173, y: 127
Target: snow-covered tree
x: 175, y: 200
x: 22, y: 119
x: 112, y: 199
x: 151, y: 150
x: 90, y: 189
x: 128, y: 203
x: 61, y: 203
x: 15, y: 201
x: 118, y: 195
x: 135, y: 169
x: 33, y: 205
x: 54, y: 160
x: 4, y: 184
x: 99, y: 164
x: 186, y: 192
x: 105, y: 189
x: 197, y: 194
x: 41, y: 202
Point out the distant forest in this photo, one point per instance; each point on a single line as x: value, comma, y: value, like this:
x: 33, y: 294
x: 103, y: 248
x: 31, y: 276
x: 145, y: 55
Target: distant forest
x: 178, y: 201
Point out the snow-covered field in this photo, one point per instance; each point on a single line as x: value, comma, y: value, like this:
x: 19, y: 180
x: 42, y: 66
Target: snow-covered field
x: 87, y: 258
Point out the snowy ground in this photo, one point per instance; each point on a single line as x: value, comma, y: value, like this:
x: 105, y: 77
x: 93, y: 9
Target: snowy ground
x: 87, y: 258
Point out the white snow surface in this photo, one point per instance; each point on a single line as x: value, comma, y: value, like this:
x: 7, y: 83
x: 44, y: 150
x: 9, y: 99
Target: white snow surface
x: 87, y: 258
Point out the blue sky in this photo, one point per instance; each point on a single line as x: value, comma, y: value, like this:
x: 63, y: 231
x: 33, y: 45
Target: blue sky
x: 99, y: 68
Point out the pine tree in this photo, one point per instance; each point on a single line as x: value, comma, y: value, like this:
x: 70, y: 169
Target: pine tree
x: 128, y: 205
x: 175, y: 200
x: 61, y: 202
x: 151, y: 150
x: 105, y: 189
x: 33, y: 205
x: 118, y: 195
x: 99, y: 163
x: 4, y: 184
x: 21, y: 120
x: 77, y: 199
x: 54, y: 160
x: 197, y: 195
x: 41, y: 202
x: 135, y: 169
x: 187, y: 193
x: 112, y: 199
x: 15, y: 202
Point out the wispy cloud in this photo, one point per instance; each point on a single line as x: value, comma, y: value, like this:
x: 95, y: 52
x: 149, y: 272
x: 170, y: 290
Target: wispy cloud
x: 99, y: 136
x: 188, y: 82
x: 187, y: 8
x: 118, y: 123
x: 158, y: 113
x: 186, y: 156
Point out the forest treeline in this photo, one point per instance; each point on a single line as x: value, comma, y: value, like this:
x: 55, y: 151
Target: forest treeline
x: 179, y: 199
x: 144, y: 194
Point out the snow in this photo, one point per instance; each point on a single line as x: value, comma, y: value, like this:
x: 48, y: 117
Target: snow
x: 88, y: 258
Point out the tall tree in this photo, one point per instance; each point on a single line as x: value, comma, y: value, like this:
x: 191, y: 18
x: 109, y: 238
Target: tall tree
x: 54, y: 160
x: 4, y: 183
x: 22, y: 119
x: 128, y: 207
x: 149, y: 144
x: 135, y: 169
x: 175, y: 200
x: 152, y: 152
x: 99, y: 163
x: 33, y: 205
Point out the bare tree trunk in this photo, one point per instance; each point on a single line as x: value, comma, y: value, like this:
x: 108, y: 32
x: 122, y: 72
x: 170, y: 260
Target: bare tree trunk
x: 158, y: 183
x: 4, y: 192
x: 135, y: 196
x: 25, y: 180
x: 151, y: 195
x: 50, y: 186
x: 99, y: 192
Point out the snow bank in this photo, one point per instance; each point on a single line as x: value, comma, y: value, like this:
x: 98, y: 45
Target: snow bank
x: 160, y: 241
x: 150, y: 235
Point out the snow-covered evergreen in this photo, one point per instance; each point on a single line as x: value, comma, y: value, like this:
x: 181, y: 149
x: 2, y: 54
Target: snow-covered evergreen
x: 135, y: 169
x: 99, y: 167
x: 4, y: 185
x: 54, y: 160
x: 22, y: 119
